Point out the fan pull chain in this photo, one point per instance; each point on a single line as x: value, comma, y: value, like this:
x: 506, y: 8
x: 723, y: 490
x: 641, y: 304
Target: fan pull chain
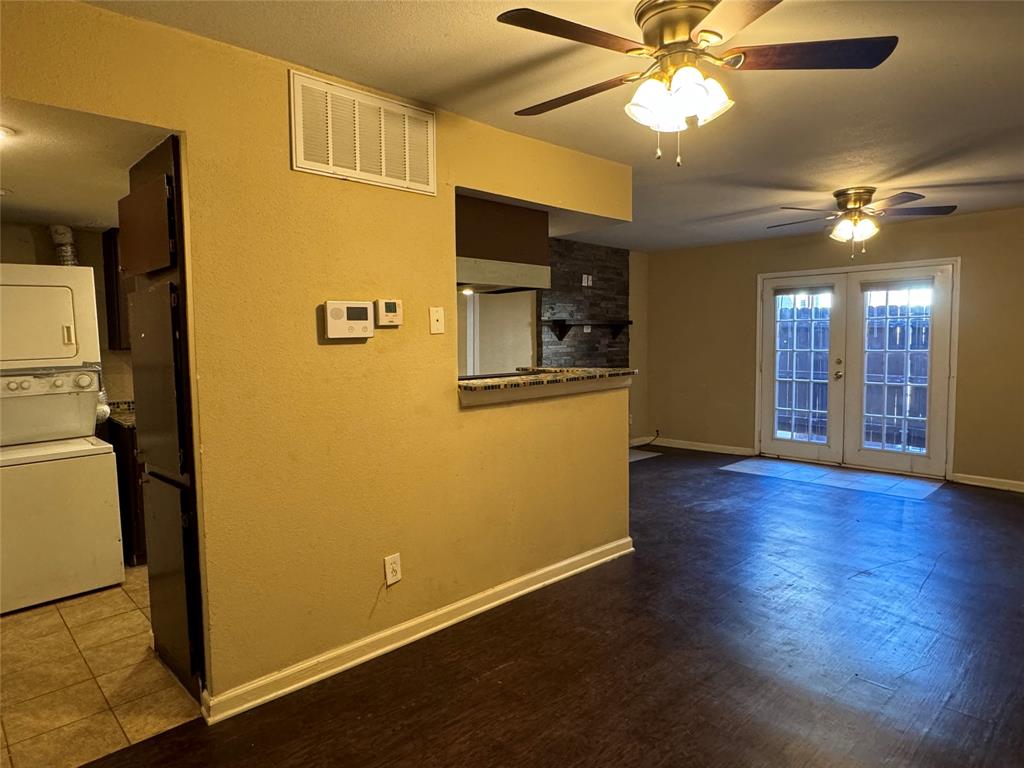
x: 657, y: 155
x: 679, y: 157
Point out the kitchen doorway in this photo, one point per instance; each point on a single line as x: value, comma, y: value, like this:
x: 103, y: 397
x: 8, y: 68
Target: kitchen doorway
x: 855, y: 367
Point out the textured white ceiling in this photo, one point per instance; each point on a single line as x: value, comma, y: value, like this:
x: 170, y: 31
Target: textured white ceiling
x: 66, y: 167
x: 943, y: 116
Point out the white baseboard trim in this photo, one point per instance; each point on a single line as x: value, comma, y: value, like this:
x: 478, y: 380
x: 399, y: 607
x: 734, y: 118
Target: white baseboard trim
x: 735, y: 450
x: 239, y: 699
x: 988, y: 482
x: 635, y: 441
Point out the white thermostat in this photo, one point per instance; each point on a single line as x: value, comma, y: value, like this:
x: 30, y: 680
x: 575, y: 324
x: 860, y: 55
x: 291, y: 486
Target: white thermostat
x: 348, y: 319
x: 389, y: 312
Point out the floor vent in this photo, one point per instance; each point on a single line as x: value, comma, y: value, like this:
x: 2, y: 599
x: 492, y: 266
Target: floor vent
x: 342, y: 132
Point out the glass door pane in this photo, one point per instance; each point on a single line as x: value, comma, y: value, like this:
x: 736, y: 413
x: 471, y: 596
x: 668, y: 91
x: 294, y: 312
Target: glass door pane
x: 802, y: 334
x: 897, y: 331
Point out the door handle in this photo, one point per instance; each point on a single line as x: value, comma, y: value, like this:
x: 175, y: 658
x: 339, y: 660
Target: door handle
x: 837, y: 375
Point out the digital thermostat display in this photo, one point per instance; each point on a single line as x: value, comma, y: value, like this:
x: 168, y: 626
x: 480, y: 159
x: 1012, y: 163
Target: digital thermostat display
x: 389, y: 313
x: 357, y: 313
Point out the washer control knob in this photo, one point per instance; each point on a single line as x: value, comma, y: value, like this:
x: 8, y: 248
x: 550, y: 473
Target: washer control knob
x: 58, y: 383
x: 83, y: 380
x: 25, y: 384
x: 12, y: 385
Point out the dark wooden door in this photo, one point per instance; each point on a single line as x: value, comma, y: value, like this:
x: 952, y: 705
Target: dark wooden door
x: 155, y: 373
x: 167, y: 528
x: 150, y: 248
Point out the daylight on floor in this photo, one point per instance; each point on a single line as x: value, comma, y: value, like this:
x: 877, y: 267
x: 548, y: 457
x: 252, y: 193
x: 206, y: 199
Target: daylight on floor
x: 451, y: 383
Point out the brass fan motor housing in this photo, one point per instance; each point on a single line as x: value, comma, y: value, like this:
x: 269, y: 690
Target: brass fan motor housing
x: 670, y: 22
x: 853, y: 198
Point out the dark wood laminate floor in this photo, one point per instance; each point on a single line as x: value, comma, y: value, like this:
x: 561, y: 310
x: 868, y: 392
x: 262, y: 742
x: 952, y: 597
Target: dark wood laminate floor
x: 761, y: 622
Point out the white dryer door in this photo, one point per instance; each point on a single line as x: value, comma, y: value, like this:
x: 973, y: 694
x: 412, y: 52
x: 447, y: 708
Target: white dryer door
x: 38, y: 323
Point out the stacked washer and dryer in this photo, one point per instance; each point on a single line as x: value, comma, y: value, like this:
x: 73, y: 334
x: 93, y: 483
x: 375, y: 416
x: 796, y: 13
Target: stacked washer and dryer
x: 60, y: 529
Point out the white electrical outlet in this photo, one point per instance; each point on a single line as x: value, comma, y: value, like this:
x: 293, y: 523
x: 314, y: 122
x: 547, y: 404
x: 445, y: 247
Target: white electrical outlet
x: 586, y: 329
x: 437, y: 319
x: 393, y: 569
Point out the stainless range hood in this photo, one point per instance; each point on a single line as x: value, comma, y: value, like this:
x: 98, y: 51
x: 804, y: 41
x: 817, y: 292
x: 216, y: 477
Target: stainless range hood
x: 489, y: 276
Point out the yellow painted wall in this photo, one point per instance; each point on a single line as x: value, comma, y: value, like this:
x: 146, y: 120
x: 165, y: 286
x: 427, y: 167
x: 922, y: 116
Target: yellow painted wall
x: 318, y: 460
x: 703, y: 318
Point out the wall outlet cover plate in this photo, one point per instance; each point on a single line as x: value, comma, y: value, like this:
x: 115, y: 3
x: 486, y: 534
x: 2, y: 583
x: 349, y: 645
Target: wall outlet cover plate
x: 393, y: 569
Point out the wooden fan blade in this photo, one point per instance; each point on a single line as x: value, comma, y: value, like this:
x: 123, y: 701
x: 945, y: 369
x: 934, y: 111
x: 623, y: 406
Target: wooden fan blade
x: 730, y: 16
x: 582, y: 93
x: 795, y: 208
x: 568, y: 30
x: 901, y: 198
x: 857, y: 53
x: 924, y: 210
x: 802, y: 221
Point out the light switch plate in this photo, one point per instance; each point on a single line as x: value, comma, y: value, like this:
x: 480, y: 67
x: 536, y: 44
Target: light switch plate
x: 437, y: 319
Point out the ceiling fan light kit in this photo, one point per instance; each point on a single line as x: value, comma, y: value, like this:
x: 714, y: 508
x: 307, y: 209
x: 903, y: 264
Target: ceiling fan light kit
x: 857, y: 219
x: 677, y: 35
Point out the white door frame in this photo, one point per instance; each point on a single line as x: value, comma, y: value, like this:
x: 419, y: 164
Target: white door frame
x: 954, y: 334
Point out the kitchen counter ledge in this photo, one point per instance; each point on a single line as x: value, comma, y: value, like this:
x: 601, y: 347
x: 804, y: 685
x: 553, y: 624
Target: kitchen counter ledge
x: 542, y: 382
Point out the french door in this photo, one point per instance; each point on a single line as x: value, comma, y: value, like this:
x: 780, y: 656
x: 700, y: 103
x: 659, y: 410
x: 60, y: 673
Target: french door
x: 855, y: 368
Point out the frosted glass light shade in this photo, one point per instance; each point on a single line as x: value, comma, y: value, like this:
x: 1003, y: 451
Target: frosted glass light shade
x: 843, y: 230
x: 864, y: 229
x: 716, y: 104
x: 689, y: 95
x: 649, y: 102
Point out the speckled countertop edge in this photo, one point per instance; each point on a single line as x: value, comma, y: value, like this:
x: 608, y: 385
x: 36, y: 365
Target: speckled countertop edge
x: 538, y: 377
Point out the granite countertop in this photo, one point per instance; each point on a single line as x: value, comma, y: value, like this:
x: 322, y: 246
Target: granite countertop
x: 534, y: 377
x: 123, y: 417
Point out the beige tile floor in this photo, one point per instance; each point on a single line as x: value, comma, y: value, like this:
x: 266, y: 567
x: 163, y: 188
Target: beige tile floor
x: 79, y: 679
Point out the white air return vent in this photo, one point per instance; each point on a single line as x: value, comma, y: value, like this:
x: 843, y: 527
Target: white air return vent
x: 342, y: 132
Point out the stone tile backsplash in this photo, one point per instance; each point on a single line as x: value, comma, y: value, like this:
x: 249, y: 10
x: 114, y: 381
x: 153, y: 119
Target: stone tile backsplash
x: 605, y: 300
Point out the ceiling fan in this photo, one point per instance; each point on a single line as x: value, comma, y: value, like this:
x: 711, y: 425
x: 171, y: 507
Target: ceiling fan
x: 857, y: 217
x: 679, y: 35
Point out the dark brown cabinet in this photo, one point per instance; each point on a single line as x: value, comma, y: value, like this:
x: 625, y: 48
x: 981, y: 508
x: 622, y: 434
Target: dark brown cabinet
x: 146, y: 241
x: 117, y: 287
